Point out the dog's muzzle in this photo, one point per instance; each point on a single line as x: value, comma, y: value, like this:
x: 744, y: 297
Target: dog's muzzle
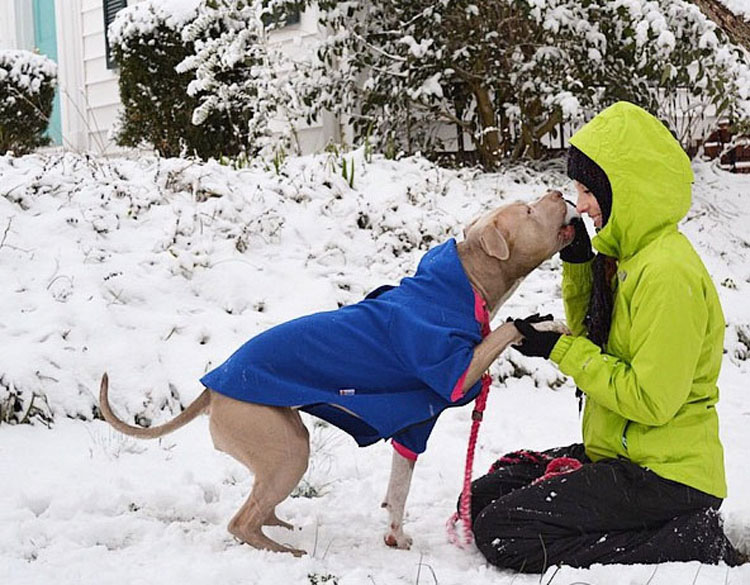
x: 570, y: 212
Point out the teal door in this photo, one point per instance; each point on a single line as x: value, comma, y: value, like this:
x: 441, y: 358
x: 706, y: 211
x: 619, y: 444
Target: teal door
x: 45, y: 40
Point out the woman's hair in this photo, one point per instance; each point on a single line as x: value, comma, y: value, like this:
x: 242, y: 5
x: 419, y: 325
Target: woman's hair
x: 598, y: 317
x: 584, y: 170
x: 599, y: 313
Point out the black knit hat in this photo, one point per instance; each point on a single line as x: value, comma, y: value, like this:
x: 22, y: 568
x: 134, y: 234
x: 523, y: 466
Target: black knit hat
x: 584, y: 170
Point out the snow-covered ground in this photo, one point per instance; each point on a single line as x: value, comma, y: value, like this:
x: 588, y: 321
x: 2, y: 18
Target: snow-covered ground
x: 741, y: 7
x: 156, y: 270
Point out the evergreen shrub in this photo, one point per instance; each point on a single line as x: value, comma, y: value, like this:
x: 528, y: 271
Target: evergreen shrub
x: 157, y: 110
x: 27, y: 91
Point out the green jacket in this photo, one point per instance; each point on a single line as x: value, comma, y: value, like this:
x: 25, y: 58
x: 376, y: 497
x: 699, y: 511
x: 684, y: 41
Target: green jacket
x: 651, y: 397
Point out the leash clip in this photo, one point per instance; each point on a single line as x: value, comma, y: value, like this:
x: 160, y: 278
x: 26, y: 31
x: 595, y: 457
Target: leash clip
x: 476, y: 415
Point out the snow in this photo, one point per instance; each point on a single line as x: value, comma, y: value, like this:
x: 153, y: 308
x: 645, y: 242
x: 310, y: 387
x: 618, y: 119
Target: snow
x: 26, y: 71
x: 741, y: 7
x: 418, y: 50
x: 431, y: 86
x: 157, y: 269
x: 180, y: 10
x: 139, y: 19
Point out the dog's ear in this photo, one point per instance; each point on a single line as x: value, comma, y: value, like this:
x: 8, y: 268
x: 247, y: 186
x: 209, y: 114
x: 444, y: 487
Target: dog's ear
x: 494, y: 242
x: 471, y: 225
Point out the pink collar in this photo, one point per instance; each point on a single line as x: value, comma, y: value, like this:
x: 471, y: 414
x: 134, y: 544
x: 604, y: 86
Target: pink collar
x: 481, y: 314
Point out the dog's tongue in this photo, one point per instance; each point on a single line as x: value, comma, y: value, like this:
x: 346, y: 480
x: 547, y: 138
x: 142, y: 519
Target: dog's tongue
x: 571, y: 212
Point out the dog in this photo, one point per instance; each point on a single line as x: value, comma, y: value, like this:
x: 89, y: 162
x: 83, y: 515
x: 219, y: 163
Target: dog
x: 385, y: 367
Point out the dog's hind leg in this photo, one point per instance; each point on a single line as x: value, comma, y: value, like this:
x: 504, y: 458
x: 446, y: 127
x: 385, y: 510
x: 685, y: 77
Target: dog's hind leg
x: 274, y: 520
x: 274, y: 444
x: 247, y: 522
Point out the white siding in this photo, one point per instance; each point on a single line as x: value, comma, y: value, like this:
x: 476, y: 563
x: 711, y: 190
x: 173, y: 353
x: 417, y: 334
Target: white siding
x: 7, y: 25
x: 70, y: 74
x: 89, y: 91
x: 100, y: 90
x: 102, y: 98
x: 16, y: 25
x: 296, y: 40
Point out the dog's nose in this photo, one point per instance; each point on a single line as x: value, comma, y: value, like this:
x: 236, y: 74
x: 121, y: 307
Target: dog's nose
x: 555, y: 193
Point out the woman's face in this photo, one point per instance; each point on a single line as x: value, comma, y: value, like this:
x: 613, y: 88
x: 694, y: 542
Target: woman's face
x: 587, y: 203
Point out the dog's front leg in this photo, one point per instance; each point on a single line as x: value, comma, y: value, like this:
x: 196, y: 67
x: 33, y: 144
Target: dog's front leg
x: 488, y: 350
x: 395, y: 500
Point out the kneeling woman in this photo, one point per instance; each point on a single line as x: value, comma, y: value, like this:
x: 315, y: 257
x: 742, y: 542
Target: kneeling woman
x: 646, y: 351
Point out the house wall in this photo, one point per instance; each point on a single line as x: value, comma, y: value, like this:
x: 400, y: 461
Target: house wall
x: 70, y: 75
x: 296, y: 40
x: 101, y: 99
x: 16, y: 25
x: 89, y: 91
x: 91, y: 98
x: 7, y: 26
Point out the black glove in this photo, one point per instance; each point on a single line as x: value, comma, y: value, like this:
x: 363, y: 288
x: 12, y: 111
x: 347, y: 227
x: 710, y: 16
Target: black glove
x: 579, y: 250
x: 535, y: 343
x: 535, y: 318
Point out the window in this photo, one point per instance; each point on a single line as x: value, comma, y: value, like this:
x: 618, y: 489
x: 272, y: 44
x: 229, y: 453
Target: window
x: 111, y: 8
x: 292, y: 16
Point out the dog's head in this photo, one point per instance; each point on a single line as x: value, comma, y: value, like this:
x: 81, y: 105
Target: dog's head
x: 523, y: 235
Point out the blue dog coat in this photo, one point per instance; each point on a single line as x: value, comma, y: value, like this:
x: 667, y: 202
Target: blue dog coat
x: 384, y: 367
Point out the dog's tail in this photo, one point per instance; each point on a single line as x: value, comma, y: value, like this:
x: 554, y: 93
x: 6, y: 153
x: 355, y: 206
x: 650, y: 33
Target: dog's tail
x: 198, y: 406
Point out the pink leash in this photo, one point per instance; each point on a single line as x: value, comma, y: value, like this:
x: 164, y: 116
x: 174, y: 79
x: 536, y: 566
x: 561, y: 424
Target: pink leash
x: 464, y: 506
x: 554, y: 466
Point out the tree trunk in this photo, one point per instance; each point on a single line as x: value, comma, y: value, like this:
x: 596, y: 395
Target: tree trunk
x: 488, y: 144
x: 736, y: 27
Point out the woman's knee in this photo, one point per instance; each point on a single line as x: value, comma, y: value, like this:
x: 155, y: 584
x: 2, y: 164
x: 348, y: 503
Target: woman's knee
x: 501, y: 539
x: 484, y: 491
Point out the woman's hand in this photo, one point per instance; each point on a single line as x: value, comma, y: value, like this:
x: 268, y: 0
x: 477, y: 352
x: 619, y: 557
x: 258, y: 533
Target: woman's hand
x: 535, y: 343
x: 579, y: 250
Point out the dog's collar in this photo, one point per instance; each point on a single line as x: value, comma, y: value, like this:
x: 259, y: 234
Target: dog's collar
x: 481, y: 314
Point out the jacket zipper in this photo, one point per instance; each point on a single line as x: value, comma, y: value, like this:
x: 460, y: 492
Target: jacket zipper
x: 624, y: 438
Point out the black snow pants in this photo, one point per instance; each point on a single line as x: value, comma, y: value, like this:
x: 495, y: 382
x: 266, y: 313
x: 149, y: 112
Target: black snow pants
x: 611, y: 511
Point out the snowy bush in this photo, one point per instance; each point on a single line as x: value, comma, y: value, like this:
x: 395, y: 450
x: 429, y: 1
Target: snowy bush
x: 27, y: 89
x: 504, y: 75
x: 667, y: 57
x: 156, y: 108
x: 155, y: 270
x: 18, y: 406
x: 235, y: 74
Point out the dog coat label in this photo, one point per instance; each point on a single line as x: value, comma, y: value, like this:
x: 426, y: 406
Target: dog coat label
x: 347, y: 392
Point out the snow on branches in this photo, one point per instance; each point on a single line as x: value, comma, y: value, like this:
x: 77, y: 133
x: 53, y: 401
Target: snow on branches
x: 505, y: 74
x: 27, y: 88
x: 498, y: 78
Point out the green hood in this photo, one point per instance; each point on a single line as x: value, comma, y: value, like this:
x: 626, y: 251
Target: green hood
x: 649, y: 172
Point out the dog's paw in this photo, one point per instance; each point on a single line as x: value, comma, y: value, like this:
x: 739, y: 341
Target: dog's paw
x: 558, y: 326
x: 398, y: 539
x: 515, y: 334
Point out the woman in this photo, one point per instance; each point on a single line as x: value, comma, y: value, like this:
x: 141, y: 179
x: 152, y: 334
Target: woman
x: 645, y: 350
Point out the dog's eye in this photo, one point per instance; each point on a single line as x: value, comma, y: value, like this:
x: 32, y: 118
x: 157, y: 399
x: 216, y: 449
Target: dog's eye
x: 528, y: 211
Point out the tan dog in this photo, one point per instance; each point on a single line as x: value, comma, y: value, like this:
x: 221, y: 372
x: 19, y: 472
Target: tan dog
x: 499, y: 250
